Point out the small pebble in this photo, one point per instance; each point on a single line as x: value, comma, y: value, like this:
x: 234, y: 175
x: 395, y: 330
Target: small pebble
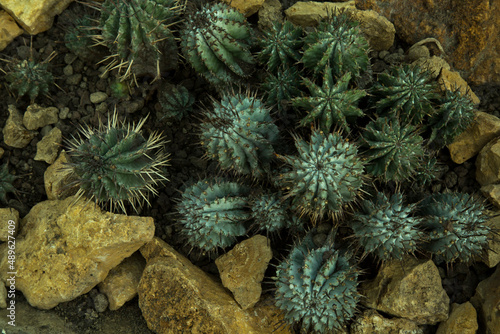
x: 63, y: 113
x: 68, y: 70
x: 100, y: 302
x: 69, y: 58
x: 383, y: 54
x: 98, y: 97
x: 102, y: 108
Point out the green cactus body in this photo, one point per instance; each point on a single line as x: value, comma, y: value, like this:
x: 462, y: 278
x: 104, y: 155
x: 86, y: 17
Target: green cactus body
x: 116, y: 164
x: 394, y: 152
x: 176, y: 101
x: 240, y: 133
x: 280, y: 46
x: 30, y: 77
x: 78, y: 39
x: 454, y: 115
x: 6, y: 180
x: 339, y: 43
x: 316, y: 287
x: 214, y: 213
x: 332, y: 103
x: 281, y: 87
x: 324, y: 177
x: 214, y: 41
x: 455, y: 226
x: 386, y: 227
x: 269, y: 213
x: 407, y: 92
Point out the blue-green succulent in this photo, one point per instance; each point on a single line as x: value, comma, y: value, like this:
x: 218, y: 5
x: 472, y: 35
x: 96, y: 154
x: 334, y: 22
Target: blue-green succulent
x: 270, y: 213
x: 29, y: 77
x: 278, y: 90
x: 176, y: 101
x: 78, y: 38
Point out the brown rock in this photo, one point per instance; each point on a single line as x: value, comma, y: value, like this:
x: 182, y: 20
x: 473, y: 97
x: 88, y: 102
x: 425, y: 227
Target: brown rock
x: 310, y: 13
x: 65, y: 248
x: 269, y: 14
x: 371, y: 322
x: 14, y: 132
x: 488, y: 163
x: 246, y: 7
x: 483, y: 129
x: 462, y: 320
x: 492, y: 256
x: 48, y: 148
x: 379, y: 31
x: 408, y: 289
x: 37, y: 116
x: 56, y: 179
x: 8, y: 29
x: 451, y: 80
x: 433, y: 64
x: 242, y: 269
x: 492, y: 193
x: 487, y: 302
x: 9, y: 223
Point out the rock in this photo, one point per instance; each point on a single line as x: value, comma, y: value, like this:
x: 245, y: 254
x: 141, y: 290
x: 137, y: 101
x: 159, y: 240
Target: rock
x: 8, y: 29
x: 3, y: 297
x: 433, y: 64
x: 246, y: 7
x: 408, y: 289
x: 487, y: 303
x: 309, y: 14
x: 483, y: 129
x: 37, y: 117
x: 371, y: 322
x: 269, y: 13
x: 98, y: 97
x: 488, y: 163
x: 467, y: 30
x: 14, y: 132
x: 34, y: 16
x: 418, y: 52
x: 57, y: 178
x: 242, y: 269
x: 47, y: 149
x: 175, y: 296
x: 492, y: 256
x: 378, y: 30
x: 451, y: 80
x: 100, y: 302
x: 9, y: 223
x: 462, y: 320
x: 67, y: 247
x: 120, y: 285
x: 492, y: 193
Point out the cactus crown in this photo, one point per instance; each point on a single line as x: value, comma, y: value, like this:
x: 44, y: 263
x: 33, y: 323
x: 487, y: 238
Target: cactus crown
x: 240, y: 133
x: 214, y: 213
x: 281, y: 88
x: 6, y: 180
x: 214, y: 42
x: 176, y: 101
x: 115, y: 163
x: 325, y: 176
x: 317, y: 287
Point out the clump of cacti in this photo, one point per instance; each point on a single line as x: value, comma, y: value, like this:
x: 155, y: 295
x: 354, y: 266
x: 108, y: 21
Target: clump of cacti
x: 280, y: 46
x: 136, y: 30
x: 115, y: 163
x: 316, y: 287
x: 239, y: 133
x: 387, y: 228
x: 324, y: 177
x: 332, y: 104
x: 455, y: 225
x: 78, y: 38
x: 6, y: 180
x: 270, y: 213
x: 339, y: 43
x: 407, y: 92
x: 213, y: 213
x: 394, y: 151
x: 176, y: 101
x: 215, y: 42
x: 278, y: 90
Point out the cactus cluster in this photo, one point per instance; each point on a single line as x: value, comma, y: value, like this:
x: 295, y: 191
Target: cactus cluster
x: 115, y: 163
x: 316, y: 287
x: 176, y: 101
x: 6, y: 180
x: 280, y: 89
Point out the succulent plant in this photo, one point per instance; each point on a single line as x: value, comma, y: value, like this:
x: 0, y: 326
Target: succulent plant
x: 115, y: 163
x: 316, y: 287
x: 269, y: 213
x: 407, y: 92
x: 339, y: 43
x: 136, y: 30
x: 280, y: 46
x: 324, y: 177
x: 455, y: 226
x: 455, y: 114
x: 281, y: 87
x: 240, y: 133
x: 176, y: 101
x: 78, y: 38
x: 214, y: 212
x: 387, y: 227
x: 6, y: 180
x: 394, y: 152
x: 330, y: 104
x: 215, y: 42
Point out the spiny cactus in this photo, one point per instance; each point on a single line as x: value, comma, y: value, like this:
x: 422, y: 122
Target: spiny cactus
x: 6, y: 180
x: 136, y: 30
x: 339, y: 43
x: 213, y: 213
x: 454, y: 115
x: 115, y: 163
x: 387, y: 227
x: 280, y: 46
x: 316, y: 287
x: 240, y: 134
x: 455, y: 226
x: 215, y: 42
x: 324, y: 177
x: 394, y: 152
x: 78, y: 38
x: 281, y: 88
x: 270, y: 214
x: 176, y: 101
x: 330, y: 104
x: 407, y: 92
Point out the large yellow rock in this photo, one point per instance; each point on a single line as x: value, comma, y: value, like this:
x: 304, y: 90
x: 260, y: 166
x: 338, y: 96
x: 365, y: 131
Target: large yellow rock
x: 8, y: 29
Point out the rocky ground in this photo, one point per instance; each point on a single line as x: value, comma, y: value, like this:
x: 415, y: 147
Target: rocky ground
x: 83, y: 96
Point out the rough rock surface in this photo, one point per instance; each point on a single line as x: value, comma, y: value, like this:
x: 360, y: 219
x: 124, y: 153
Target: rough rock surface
x: 56, y: 179
x: 408, y: 289
x: 379, y: 31
x: 451, y: 80
x: 6, y: 229
x: 487, y: 303
x: 488, y: 163
x: 175, y: 296
x: 242, y: 269
x: 468, y: 31
x: 37, y: 117
x: 371, y: 322
x: 64, y: 250
x: 8, y: 29
x: 14, y: 132
x: 246, y: 7
x: 269, y: 14
x: 310, y: 13
x: 47, y: 149
x: 492, y: 256
x: 462, y: 320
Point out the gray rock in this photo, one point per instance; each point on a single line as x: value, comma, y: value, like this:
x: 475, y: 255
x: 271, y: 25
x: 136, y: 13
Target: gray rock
x: 98, y: 97
x: 37, y: 117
